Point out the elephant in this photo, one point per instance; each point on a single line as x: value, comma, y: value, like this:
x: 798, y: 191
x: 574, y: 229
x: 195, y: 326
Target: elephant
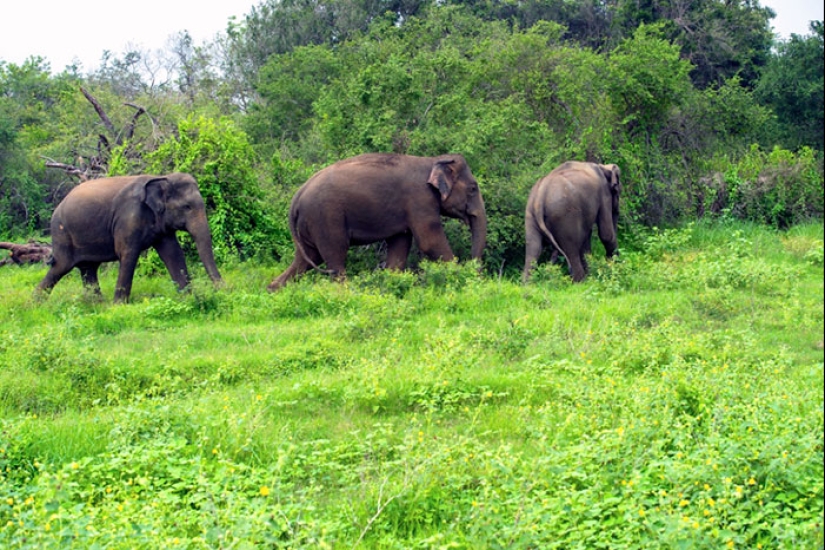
x: 117, y: 218
x: 382, y: 197
x: 562, y: 208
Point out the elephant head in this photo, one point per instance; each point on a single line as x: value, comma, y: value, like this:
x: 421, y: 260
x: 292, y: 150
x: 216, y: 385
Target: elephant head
x: 177, y: 205
x: 461, y: 199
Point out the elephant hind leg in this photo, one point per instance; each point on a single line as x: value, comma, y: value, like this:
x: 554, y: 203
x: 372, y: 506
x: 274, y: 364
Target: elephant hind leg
x: 531, y: 256
x: 398, y: 248
x: 578, y: 267
x: 299, y: 266
x: 88, y: 273
x: 57, y: 271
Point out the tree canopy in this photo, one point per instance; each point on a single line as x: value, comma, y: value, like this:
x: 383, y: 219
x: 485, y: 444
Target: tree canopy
x: 673, y: 92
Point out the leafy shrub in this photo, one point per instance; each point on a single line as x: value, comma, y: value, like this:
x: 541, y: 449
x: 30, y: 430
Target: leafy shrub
x: 220, y: 158
x: 779, y: 188
x: 449, y: 275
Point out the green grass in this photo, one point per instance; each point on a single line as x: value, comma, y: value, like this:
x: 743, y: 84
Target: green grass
x: 672, y: 400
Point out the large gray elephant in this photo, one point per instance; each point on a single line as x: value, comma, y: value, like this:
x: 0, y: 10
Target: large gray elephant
x: 382, y: 197
x: 117, y: 218
x: 562, y: 208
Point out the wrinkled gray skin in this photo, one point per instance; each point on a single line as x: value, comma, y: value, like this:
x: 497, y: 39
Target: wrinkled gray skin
x: 382, y: 197
x: 110, y: 219
x: 562, y: 208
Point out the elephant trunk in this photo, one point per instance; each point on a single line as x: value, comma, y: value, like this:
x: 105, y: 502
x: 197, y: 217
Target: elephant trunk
x: 199, y: 229
x: 478, y: 230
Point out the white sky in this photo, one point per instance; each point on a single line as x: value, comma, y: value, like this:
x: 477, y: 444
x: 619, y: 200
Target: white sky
x: 62, y: 31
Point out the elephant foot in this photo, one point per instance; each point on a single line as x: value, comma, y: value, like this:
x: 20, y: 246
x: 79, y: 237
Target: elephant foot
x: 278, y: 284
x: 39, y: 295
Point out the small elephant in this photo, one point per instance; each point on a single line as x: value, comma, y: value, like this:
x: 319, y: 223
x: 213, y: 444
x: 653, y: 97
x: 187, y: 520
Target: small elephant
x: 117, y: 218
x: 562, y: 208
x: 382, y: 197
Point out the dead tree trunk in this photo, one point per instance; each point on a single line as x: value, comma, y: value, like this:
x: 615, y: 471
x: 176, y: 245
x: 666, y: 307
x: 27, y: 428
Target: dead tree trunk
x: 95, y: 166
x: 29, y: 253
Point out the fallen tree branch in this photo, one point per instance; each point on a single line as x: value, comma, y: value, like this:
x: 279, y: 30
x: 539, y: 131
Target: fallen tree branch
x: 30, y: 253
x: 69, y: 169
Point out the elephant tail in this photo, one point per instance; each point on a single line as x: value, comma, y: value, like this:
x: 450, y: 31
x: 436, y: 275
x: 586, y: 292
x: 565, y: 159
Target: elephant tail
x: 299, y: 247
x: 546, y: 232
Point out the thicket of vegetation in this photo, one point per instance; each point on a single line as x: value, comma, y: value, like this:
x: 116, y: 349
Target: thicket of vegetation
x: 704, y: 112
x: 672, y: 400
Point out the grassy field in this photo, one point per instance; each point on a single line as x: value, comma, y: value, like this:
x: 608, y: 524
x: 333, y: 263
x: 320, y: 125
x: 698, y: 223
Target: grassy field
x: 672, y: 400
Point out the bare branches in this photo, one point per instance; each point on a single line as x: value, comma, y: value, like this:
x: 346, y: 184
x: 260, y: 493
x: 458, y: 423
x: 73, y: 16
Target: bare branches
x: 84, y: 170
x: 100, y: 112
x: 96, y: 166
x: 130, y: 129
x: 69, y: 169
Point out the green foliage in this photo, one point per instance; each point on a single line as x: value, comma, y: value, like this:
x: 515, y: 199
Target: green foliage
x: 288, y: 85
x: 218, y: 154
x: 778, y: 188
x: 516, y: 104
x: 648, y: 78
x: 29, y: 98
x: 518, y: 89
x: 792, y: 85
x: 681, y: 405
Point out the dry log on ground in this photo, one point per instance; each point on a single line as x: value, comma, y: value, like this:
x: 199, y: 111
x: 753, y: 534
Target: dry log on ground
x: 30, y: 253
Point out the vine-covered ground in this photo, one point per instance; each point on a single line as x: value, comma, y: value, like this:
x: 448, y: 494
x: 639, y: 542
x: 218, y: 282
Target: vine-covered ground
x: 672, y: 400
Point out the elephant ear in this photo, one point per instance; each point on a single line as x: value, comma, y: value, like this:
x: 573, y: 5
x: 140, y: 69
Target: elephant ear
x: 154, y: 196
x: 611, y: 172
x: 442, y: 178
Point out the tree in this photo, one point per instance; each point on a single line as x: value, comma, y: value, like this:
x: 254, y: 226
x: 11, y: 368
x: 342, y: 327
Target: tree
x: 792, y: 86
x: 221, y: 159
x: 29, y: 95
x: 287, y: 87
x: 648, y: 78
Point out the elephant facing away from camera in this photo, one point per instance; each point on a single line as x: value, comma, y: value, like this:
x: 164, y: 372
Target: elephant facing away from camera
x: 382, y: 197
x: 117, y: 218
x: 562, y: 208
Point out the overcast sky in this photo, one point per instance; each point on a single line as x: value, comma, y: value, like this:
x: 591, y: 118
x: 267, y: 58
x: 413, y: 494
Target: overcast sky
x: 63, y: 31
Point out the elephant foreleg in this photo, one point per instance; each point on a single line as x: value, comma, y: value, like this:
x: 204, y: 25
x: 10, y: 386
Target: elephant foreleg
x: 432, y: 241
x: 608, y: 237
x: 123, y: 288
x: 398, y: 249
x: 169, y: 250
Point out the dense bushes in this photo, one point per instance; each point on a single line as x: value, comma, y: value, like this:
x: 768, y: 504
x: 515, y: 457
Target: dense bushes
x: 221, y: 158
x: 777, y: 188
x: 674, y: 399
x: 515, y: 101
